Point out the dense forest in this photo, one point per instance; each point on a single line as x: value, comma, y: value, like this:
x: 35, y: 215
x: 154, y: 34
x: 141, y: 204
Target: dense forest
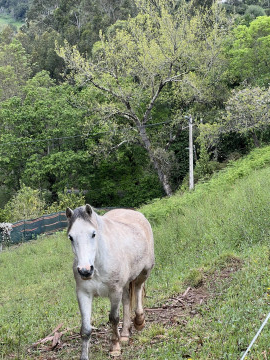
x: 95, y: 97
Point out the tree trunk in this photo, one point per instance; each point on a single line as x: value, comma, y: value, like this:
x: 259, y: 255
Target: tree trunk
x: 163, y: 178
x: 255, y: 139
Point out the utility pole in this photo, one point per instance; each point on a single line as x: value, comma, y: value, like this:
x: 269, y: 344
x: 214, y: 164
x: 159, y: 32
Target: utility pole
x: 191, y: 175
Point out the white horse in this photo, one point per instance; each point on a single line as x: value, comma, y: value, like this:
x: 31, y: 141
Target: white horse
x: 114, y: 254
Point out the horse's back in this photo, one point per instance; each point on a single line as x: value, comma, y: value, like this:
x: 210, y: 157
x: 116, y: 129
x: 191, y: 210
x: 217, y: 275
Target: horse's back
x: 130, y: 218
x: 126, y: 216
x: 134, y: 227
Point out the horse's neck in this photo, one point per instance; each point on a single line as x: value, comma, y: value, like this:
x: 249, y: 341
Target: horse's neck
x: 102, y: 249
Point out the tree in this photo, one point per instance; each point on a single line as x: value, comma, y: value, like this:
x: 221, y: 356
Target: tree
x: 249, y: 53
x: 254, y: 11
x: 248, y: 111
x: 32, y: 128
x: 46, y: 144
x: 78, y: 21
x: 42, y: 55
x: 14, y: 69
x: 136, y: 61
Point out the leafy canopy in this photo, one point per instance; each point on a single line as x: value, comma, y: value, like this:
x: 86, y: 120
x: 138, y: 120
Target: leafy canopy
x: 249, y: 53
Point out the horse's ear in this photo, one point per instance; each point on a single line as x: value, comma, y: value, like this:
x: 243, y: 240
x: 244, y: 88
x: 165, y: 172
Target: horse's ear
x: 69, y: 213
x: 88, y: 209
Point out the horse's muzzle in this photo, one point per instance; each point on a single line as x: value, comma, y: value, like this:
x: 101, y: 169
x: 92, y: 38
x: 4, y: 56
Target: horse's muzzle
x: 86, y: 273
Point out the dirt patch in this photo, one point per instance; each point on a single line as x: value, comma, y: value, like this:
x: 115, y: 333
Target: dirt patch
x: 177, y: 310
x: 178, y: 307
x: 181, y: 306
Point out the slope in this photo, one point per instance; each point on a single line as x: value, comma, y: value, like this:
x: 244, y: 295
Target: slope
x: 224, y: 222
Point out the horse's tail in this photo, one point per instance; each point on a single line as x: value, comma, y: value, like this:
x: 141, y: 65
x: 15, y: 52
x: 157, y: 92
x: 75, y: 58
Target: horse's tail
x: 132, y: 294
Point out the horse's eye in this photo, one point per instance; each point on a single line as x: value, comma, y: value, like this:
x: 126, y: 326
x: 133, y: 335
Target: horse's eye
x: 70, y: 238
x: 94, y: 234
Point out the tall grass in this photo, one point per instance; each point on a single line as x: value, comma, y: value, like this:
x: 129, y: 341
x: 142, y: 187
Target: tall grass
x: 222, y: 181
x: 216, y: 224
x: 228, y: 215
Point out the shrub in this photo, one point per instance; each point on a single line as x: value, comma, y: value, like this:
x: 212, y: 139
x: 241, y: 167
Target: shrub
x: 25, y: 204
x: 66, y: 199
x: 253, y: 11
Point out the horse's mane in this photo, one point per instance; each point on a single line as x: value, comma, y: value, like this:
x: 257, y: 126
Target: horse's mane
x: 80, y: 213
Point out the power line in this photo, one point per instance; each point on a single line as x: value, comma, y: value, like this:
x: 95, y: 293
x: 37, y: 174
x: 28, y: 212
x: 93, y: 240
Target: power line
x: 40, y: 140
x: 81, y: 135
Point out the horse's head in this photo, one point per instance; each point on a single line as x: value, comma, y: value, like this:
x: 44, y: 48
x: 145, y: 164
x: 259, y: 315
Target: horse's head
x: 82, y: 234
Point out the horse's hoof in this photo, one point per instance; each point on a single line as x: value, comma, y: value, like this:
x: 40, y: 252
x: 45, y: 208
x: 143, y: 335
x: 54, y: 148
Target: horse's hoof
x: 124, y: 339
x: 115, y: 349
x: 115, y: 353
x: 137, y: 326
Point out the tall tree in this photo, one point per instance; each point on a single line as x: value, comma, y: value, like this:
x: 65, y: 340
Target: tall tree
x: 32, y: 128
x: 14, y: 69
x: 136, y: 61
x: 249, y: 53
x: 248, y: 111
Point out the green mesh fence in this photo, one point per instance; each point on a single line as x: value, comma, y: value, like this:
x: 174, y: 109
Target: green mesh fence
x: 25, y: 230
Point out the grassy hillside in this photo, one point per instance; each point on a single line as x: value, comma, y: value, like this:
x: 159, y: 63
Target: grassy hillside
x: 6, y: 19
x: 215, y: 239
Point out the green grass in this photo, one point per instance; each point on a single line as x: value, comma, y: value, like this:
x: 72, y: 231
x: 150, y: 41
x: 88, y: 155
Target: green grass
x: 6, y: 19
x: 194, y: 233
x: 222, y: 181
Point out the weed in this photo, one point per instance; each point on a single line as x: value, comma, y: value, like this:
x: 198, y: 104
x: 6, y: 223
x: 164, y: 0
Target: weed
x: 194, y: 278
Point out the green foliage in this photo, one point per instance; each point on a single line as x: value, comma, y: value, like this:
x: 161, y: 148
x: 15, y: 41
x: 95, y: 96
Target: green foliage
x: 27, y: 203
x: 67, y: 198
x: 249, y: 53
x: 247, y: 111
x: 17, y: 8
x: 78, y: 21
x: 14, y: 68
x: 203, y: 164
x: 41, y: 51
x: 46, y: 148
x: 254, y: 11
x: 126, y: 180
x: 45, y: 112
x: 240, y: 7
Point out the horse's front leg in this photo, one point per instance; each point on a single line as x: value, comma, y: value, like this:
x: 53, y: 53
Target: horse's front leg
x: 115, y: 299
x: 85, y: 304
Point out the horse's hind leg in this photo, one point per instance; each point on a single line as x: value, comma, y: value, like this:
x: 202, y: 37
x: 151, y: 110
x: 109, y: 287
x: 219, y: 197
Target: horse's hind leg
x: 125, y: 333
x: 139, y: 320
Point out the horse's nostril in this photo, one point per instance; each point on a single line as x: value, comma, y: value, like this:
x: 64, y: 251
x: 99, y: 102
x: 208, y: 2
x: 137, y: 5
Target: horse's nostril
x: 86, y: 272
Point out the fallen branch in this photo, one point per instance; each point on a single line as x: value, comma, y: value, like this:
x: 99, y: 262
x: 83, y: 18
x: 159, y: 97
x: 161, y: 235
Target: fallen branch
x: 48, y: 337
x: 54, y: 337
x: 186, y: 292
